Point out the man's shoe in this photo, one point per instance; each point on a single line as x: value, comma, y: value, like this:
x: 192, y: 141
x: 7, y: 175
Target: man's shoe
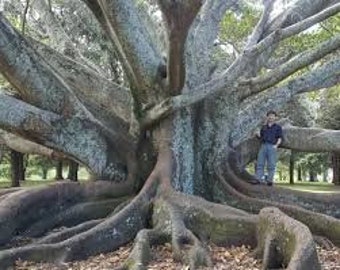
x: 255, y: 182
x: 269, y: 183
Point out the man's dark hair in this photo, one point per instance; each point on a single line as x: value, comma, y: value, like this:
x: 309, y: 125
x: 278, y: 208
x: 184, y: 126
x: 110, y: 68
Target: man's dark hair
x: 271, y: 112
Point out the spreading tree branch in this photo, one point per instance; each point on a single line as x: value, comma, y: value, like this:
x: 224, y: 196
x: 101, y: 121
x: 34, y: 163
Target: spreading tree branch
x: 260, y: 83
x: 281, y: 34
x: 200, y: 40
x: 58, y: 34
x: 252, y: 115
x: 30, y: 74
x: 311, y: 139
x: 96, y: 92
x: 179, y: 15
x: 77, y: 138
x: 259, y: 28
x: 301, y: 10
x: 19, y: 117
x: 137, y: 53
x: 22, y: 145
x: 24, y: 17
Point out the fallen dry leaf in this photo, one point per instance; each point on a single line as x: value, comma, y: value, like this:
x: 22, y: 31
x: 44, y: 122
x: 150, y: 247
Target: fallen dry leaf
x: 232, y: 258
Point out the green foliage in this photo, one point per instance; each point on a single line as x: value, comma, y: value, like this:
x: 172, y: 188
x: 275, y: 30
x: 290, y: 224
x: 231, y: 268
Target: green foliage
x: 235, y: 28
x: 330, y: 109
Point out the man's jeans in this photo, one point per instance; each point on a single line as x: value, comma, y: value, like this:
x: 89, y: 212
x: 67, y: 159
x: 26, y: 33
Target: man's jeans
x: 267, y: 154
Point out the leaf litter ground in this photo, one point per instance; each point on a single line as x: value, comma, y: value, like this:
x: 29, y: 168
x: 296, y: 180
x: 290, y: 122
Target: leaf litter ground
x: 232, y: 258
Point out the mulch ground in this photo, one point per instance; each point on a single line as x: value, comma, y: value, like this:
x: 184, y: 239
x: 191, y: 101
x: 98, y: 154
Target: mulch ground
x: 234, y: 258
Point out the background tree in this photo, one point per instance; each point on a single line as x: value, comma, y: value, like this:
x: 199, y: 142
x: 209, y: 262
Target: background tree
x: 330, y: 118
x: 173, y: 127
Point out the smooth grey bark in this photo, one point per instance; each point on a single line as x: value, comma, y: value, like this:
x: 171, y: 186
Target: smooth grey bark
x: 74, y: 136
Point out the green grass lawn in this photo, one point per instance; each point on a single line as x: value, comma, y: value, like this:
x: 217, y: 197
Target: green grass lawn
x: 36, y: 180
x: 27, y: 183
x: 317, y: 187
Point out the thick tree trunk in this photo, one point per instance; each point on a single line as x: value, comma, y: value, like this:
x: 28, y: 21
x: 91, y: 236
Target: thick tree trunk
x: 179, y: 134
x: 336, y: 168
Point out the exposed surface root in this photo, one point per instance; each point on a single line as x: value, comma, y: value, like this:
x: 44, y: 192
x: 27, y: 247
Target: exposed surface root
x: 74, y: 215
x: 284, y: 242
x: 141, y: 252
x: 324, y: 203
x: 159, y: 215
x: 323, y: 242
x: 47, y: 206
x: 189, y: 223
x: 319, y: 224
x: 106, y: 236
x: 69, y: 232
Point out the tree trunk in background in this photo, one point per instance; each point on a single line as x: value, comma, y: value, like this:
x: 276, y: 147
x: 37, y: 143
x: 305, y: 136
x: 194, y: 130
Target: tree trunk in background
x: 336, y: 168
x: 324, y: 174
x: 44, y: 172
x: 312, y: 176
x: 59, y: 170
x: 22, y: 167
x: 299, y: 178
x: 73, y: 171
x: 15, y: 168
x: 291, y: 167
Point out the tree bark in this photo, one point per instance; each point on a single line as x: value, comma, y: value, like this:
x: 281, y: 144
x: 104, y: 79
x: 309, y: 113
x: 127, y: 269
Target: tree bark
x: 291, y: 167
x: 178, y: 136
x: 299, y: 173
x: 336, y: 168
x: 73, y: 171
x: 59, y: 170
x: 16, y: 168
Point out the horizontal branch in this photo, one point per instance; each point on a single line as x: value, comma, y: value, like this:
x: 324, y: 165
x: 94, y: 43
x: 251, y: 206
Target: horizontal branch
x: 311, y: 139
x: 260, y: 83
x: 27, y: 147
x: 22, y: 118
x: 105, y: 154
x: 254, y: 111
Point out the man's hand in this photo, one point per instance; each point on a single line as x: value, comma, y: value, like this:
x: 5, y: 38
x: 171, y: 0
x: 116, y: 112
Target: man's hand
x: 257, y: 134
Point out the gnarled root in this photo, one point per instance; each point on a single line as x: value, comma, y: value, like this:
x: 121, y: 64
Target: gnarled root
x: 141, y: 252
x: 69, y: 232
x: 319, y: 224
x: 106, y: 236
x: 189, y: 223
x: 60, y: 204
x: 284, y: 242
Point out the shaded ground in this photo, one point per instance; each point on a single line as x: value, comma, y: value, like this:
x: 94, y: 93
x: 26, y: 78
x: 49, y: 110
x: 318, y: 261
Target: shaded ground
x: 235, y: 258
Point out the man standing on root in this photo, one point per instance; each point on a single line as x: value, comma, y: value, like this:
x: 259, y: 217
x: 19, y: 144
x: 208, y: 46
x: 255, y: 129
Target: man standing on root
x: 271, y: 138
